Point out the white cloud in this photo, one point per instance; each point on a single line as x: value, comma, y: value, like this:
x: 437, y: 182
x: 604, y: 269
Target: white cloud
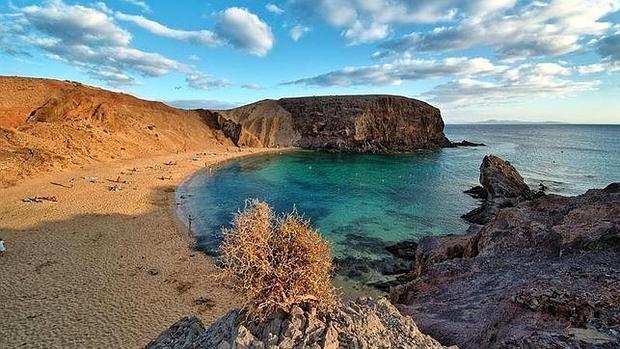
x: 244, y: 30
x: 204, y: 82
x: 199, y: 37
x: 361, y: 34
x: 251, y: 86
x: 364, y: 21
x: 141, y: 4
x: 274, y: 9
x: 526, y: 81
x: 89, y: 39
x: 403, y: 70
x: 75, y: 24
x: 297, y: 31
x: 538, y: 28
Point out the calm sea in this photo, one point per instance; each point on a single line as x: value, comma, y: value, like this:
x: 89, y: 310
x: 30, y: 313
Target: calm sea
x: 361, y: 200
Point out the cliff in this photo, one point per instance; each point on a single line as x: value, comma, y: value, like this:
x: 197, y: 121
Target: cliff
x: 374, y: 123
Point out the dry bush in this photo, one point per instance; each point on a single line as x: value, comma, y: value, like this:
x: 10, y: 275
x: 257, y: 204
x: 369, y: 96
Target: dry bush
x: 277, y: 262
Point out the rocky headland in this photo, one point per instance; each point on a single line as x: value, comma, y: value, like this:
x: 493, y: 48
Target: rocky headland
x: 362, y: 123
x: 533, y: 270
x: 48, y: 125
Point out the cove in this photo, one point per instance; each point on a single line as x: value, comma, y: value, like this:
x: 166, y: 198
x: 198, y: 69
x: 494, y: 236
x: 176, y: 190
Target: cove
x: 363, y: 202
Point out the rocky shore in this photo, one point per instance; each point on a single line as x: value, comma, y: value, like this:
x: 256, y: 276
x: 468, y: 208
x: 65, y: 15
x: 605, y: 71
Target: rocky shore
x: 533, y: 271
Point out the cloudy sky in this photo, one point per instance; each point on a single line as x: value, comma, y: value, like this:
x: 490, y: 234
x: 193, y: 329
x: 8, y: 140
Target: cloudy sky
x: 475, y: 60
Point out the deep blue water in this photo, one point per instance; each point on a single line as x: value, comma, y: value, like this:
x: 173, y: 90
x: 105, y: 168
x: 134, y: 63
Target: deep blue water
x: 356, y: 200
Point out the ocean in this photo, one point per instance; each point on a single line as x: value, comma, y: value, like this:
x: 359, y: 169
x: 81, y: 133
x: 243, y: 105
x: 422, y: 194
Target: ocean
x: 361, y: 202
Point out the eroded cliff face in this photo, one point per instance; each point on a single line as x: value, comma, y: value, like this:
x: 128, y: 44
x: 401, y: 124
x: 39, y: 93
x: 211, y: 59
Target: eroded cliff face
x: 377, y: 123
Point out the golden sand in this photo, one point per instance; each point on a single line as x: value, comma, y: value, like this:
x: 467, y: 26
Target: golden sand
x: 102, y: 267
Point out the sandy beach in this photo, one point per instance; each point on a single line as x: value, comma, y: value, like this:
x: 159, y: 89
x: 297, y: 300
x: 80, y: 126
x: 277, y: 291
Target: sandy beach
x: 101, y: 267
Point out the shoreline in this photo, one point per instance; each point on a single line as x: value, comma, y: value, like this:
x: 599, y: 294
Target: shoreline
x: 101, y: 267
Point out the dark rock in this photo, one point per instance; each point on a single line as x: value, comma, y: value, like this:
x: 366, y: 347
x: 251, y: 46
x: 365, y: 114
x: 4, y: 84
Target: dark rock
x: 404, y: 249
x: 477, y: 192
x: 500, y: 179
x: 465, y: 143
x: 542, y: 272
x: 503, y: 187
x: 388, y: 284
x: 180, y: 335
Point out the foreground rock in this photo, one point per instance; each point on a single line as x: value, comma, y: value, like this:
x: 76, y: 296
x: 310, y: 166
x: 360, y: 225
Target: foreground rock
x: 366, y: 323
x: 543, y: 272
x: 372, y: 123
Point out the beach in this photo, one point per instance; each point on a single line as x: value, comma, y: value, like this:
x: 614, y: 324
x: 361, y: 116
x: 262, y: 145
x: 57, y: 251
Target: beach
x: 108, y: 264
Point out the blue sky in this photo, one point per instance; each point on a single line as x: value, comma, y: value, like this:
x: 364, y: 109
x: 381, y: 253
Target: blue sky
x: 475, y: 60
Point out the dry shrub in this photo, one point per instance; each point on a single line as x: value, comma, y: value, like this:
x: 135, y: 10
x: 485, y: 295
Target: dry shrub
x: 277, y: 262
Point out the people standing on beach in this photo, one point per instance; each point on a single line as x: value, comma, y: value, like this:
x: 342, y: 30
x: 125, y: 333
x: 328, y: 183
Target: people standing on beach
x: 2, y: 248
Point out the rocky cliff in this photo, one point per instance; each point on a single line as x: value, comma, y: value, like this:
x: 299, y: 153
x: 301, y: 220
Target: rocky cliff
x: 541, y: 271
x: 375, y: 123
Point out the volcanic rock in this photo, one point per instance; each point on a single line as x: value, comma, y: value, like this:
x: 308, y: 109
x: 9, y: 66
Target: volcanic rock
x: 371, y: 123
x: 542, y: 273
x: 502, y: 186
x: 365, y: 323
x: 404, y: 249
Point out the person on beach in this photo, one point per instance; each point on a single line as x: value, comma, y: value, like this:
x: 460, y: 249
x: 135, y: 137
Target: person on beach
x: 2, y: 248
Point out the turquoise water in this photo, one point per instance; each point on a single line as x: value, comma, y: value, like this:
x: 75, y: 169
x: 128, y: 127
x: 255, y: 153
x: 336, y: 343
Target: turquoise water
x: 363, y: 201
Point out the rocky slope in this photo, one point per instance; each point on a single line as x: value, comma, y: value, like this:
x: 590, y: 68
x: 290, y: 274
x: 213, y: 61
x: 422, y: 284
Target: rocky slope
x: 365, y: 323
x: 542, y: 271
x: 48, y: 124
x: 377, y: 123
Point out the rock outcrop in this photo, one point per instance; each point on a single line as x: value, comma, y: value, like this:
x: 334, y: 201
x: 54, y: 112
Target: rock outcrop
x: 373, y: 123
x: 502, y: 186
x: 365, y: 323
x: 542, y: 272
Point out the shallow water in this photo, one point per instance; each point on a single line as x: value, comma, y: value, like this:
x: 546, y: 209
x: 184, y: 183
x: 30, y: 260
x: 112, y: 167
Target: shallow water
x: 363, y: 201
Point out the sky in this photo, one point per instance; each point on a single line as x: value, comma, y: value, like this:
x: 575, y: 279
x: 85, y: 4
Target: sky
x: 547, y: 60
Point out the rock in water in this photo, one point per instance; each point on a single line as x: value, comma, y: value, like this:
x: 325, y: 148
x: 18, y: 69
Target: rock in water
x: 365, y: 323
x: 543, y: 272
x: 501, y: 179
x: 502, y: 186
x: 374, y: 123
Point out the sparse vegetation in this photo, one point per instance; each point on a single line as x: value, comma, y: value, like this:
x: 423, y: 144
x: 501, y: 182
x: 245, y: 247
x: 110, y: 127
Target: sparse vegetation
x: 277, y: 261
